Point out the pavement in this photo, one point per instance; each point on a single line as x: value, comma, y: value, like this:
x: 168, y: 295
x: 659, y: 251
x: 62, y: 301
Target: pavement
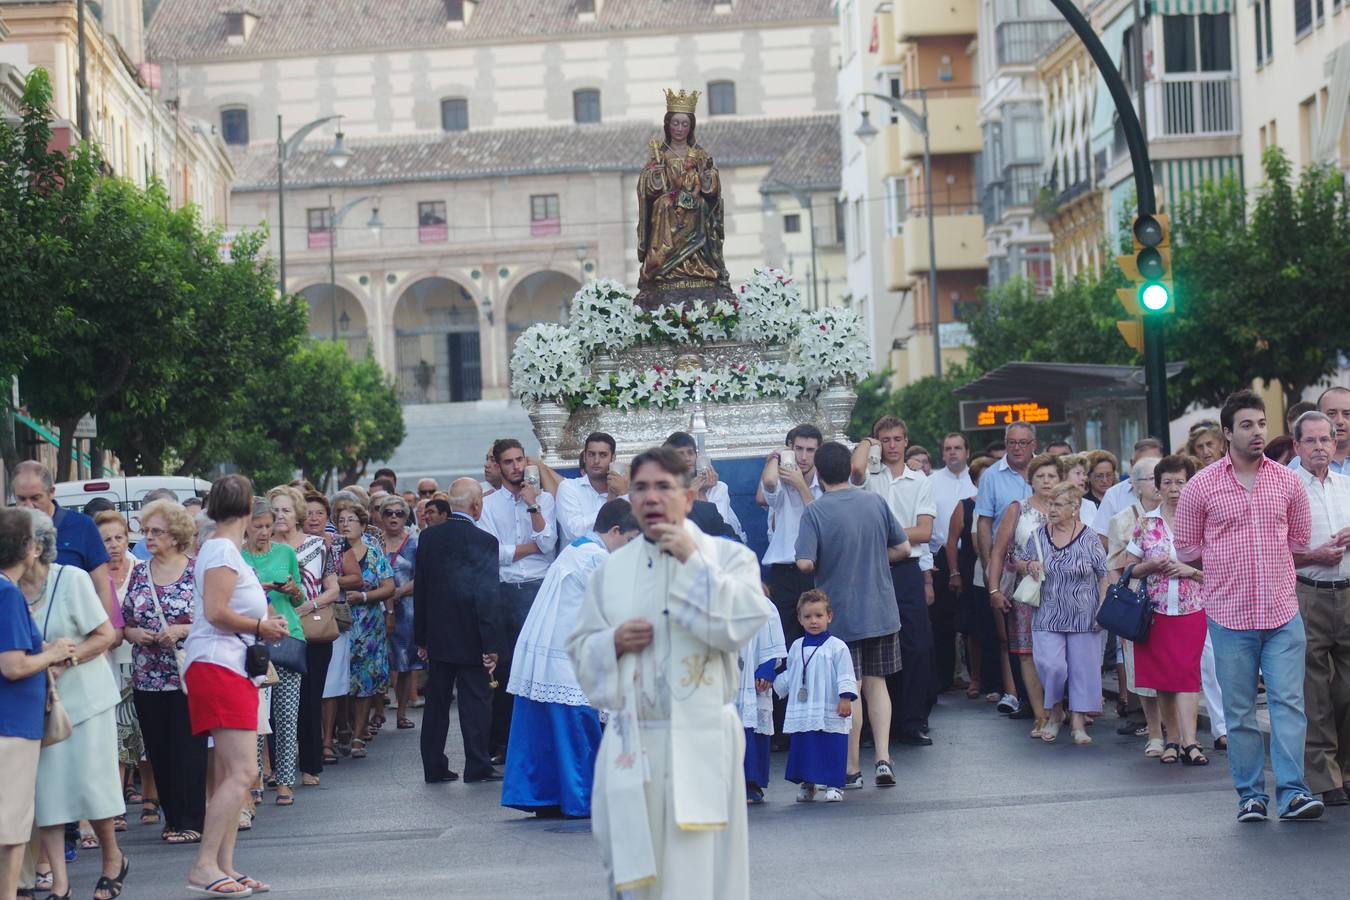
x: 985, y: 812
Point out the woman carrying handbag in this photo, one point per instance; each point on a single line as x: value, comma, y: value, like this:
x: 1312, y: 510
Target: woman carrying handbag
x: 318, y: 620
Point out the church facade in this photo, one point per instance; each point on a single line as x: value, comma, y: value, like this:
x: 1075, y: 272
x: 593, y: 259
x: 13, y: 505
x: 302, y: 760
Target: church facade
x: 496, y: 147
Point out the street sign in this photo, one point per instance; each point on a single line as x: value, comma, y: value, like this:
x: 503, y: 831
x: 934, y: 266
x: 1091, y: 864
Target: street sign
x: 977, y: 414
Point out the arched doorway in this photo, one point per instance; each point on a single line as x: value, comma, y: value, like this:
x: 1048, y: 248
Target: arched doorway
x: 541, y: 297
x: 345, y: 320
x: 436, y: 348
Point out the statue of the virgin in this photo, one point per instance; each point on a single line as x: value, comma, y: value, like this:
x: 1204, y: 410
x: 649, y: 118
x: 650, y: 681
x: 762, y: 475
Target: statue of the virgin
x: 680, y: 229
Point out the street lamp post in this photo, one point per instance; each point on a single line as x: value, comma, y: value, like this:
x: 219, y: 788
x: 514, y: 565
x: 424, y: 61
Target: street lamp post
x: 375, y: 224
x: 866, y: 133
x: 338, y: 155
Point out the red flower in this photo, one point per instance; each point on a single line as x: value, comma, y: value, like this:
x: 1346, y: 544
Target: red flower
x: 823, y: 328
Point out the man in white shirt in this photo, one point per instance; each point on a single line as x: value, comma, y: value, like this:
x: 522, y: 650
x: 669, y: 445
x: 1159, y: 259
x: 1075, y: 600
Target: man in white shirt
x: 787, y: 490
x: 1121, y: 495
x: 579, y: 499
x: 1323, y: 588
x: 950, y: 485
x: 521, y: 518
x: 706, y: 482
x: 908, y: 494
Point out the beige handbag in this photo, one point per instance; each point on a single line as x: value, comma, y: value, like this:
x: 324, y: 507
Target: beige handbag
x: 56, y: 727
x: 1029, y: 588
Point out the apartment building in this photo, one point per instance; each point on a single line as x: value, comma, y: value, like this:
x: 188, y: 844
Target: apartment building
x: 921, y: 53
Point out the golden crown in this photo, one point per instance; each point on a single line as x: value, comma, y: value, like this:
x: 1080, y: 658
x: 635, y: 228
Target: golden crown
x: 683, y: 102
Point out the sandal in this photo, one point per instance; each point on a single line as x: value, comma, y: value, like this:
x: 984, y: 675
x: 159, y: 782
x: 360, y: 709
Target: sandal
x: 973, y: 692
x: 245, y: 820
x: 221, y: 887
x: 1221, y: 743
x: 1174, y: 749
x: 253, y: 884
x: 186, y: 836
x: 329, y: 757
x: 358, y: 749
x: 404, y: 724
x: 1192, y: 755
x: 1050, y: 732
x: 42, y: 881
x: 1081, y: 737
x: 309, y: 780
x: 150, y: 812
x: 286, y: 799
x: 1039, y: 729
x: 130, y: 794
x: 256, y: 794
x: 112, y: 886
x: 1154, y: 748
x: 88, y: 840
x: 119, y: 824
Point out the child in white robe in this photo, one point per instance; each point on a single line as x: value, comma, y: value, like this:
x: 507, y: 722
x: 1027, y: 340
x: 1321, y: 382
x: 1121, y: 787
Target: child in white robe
x: 758, y: 662
x: 820, y: 688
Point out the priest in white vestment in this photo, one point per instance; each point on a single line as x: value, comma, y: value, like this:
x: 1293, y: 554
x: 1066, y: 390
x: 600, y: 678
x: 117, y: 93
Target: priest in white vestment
x: 657, y: 647
x: 555, y: 733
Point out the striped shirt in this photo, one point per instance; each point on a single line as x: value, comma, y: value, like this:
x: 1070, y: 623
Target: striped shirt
x: 1247, y: 539
x: 1069, y: 593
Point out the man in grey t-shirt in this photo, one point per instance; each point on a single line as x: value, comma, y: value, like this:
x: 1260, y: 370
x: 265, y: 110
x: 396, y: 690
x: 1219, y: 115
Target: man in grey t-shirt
x: 849, y: 538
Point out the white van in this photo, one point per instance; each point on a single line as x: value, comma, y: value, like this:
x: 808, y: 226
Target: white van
x: 127, y: 493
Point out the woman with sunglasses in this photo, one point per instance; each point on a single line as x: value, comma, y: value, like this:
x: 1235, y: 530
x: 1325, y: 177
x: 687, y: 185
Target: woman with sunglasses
x: 402, y: 552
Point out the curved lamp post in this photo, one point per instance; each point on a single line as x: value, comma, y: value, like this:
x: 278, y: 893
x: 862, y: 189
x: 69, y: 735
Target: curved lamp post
x: 338, y: 155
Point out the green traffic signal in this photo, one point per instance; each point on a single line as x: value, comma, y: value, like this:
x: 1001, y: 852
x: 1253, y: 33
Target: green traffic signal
x: 1154, y: 297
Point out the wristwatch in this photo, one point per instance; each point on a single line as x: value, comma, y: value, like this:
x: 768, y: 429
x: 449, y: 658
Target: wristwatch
x: 532, y: 509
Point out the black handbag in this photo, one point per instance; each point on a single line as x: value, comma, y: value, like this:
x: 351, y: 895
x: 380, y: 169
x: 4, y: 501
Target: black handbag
x: 1126, y: 612
x: 288, y: 653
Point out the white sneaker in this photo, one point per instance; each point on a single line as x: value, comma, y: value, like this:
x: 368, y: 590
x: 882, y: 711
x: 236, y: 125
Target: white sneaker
x: 833, y: 795
x: 1008, y: 704
x: 807, y: 793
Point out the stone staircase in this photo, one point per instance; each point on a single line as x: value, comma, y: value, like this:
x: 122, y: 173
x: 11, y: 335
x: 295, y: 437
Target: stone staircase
x: 447, y: 440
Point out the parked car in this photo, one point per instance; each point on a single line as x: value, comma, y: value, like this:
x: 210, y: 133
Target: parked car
x: 127, y: 493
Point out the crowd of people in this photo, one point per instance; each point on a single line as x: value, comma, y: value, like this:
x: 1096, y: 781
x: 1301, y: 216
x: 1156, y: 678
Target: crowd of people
x: 135, y: 675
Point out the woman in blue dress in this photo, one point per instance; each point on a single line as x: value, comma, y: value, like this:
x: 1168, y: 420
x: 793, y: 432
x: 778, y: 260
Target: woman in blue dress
x: 401, y: 545
x: 368, y: 579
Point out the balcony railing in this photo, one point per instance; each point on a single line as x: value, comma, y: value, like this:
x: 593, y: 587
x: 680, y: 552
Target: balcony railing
x: 1200, y: 105
x: 1022, y: 42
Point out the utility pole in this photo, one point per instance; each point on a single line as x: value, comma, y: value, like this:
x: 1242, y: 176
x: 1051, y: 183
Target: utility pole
x: 82, y: 104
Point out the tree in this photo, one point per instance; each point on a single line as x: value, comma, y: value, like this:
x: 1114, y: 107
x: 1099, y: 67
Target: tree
x: 42, y: 193
x: 379, y: 419
x: 928, y: 406
x: 1075, y: 322
x: 1261, y: 296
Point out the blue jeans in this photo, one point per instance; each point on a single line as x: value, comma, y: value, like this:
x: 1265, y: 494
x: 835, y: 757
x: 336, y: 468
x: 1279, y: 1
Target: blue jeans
x: 1278, y: 655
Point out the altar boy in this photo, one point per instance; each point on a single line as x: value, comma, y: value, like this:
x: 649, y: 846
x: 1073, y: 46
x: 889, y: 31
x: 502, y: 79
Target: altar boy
x: 759, y: 659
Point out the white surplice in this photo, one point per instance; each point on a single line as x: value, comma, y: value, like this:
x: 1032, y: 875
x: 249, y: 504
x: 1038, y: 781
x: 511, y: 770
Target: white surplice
x: 669, y: 796
x: 768, y: 644
x: 828, y: 669
x: 541, y: 669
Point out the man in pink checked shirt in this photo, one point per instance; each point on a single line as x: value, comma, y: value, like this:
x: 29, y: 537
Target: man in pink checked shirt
x: 1247, y: 516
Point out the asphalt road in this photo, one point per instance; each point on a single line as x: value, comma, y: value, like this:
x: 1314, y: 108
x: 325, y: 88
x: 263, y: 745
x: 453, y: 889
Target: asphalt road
x: 985, y: 812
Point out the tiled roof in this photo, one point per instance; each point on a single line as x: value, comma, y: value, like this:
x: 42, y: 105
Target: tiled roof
x: 802, y: 150
x: 195, y: 29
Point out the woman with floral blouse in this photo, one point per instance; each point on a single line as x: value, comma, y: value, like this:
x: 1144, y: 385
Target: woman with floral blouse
x: 157, y: 607
x: 1169, y: 661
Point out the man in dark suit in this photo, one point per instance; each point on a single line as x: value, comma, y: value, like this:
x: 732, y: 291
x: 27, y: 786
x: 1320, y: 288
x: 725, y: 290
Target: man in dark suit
x: 453, y: 627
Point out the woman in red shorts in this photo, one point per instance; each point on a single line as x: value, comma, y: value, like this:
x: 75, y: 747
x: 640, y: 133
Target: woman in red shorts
x: 230, y: 615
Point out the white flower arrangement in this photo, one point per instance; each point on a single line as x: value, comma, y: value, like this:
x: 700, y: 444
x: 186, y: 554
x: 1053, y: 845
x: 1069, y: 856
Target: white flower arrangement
x: 832, y: 343
x: 769, y: 308
x: 547, y: 364
x: 666, y: 388
x: 603, y: 316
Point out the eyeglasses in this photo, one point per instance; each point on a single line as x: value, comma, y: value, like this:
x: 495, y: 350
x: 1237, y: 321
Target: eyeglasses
x: 154, y: 532
x: 422, y: 493
x: 1019, y: 443
x: 395, y: 514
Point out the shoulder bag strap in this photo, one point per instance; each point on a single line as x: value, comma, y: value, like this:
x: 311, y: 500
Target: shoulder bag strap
x: 154, y: 593
x: 51, y: 601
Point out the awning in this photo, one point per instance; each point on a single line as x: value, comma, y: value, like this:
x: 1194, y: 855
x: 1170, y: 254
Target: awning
x: 1192, y: 7
x: 1025, y: 379
x: 50, y: 437
x: 1182, y: 175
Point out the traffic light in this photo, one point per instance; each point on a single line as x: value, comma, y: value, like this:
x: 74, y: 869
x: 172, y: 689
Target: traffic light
x: 1150, y: 268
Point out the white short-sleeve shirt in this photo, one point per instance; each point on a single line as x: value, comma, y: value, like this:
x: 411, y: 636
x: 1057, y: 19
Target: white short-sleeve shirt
x: 207, y: 643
